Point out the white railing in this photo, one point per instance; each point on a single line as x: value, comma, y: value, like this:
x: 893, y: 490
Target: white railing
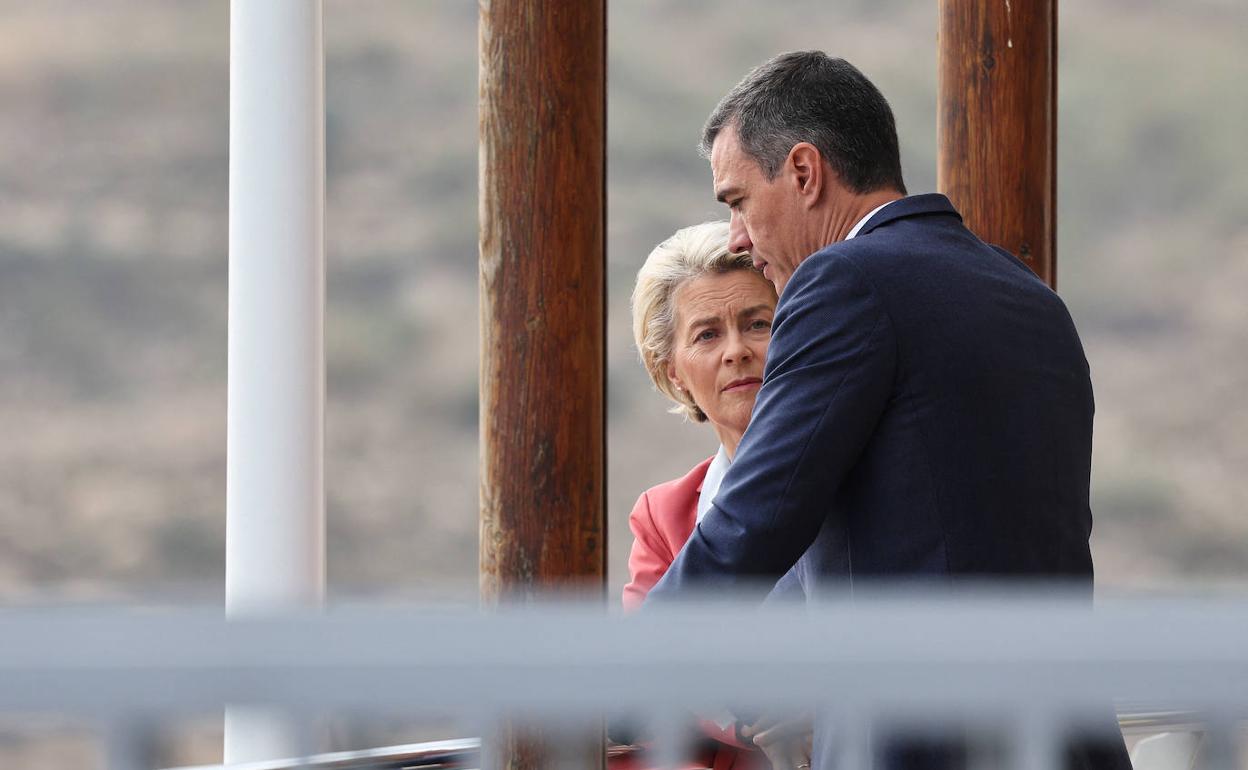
x: 1030, y: 667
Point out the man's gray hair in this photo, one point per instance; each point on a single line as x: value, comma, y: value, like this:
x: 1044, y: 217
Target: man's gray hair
x: 808, y: 96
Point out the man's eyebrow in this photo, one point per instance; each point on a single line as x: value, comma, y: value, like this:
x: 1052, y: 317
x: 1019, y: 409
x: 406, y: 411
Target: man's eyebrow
x: 722, y: 193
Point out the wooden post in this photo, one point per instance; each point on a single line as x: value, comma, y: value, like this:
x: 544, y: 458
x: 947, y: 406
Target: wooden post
x: 996, y: 126
x: 543, y: 314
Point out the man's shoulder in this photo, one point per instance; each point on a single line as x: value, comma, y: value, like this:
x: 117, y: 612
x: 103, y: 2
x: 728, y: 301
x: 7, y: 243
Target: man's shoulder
x: 908, y: 248
x: 875, y: 249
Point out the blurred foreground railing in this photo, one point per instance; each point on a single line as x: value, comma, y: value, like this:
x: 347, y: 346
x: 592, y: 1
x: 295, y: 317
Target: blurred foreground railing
x: 1032, y: 668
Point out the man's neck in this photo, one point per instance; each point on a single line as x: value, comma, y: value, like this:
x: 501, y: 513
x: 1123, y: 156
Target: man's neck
x: 852, y: 208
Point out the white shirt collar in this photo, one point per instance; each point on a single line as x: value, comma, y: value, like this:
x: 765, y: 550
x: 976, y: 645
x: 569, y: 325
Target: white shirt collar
x: 863, y: 221
x: 710, y: 484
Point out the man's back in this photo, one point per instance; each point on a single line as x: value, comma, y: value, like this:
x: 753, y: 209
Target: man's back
x: 926, y: 411
x: 979, y: 461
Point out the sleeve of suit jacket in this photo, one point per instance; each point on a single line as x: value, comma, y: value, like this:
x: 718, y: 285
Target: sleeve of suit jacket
x: 830, y: 372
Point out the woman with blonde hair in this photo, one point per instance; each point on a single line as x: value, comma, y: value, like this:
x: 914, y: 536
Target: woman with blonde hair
x: 702, y: 322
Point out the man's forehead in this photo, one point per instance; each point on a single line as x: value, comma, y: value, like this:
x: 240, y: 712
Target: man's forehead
x: 724, y: 161
x: 724, y: 147
x: 721, y: 175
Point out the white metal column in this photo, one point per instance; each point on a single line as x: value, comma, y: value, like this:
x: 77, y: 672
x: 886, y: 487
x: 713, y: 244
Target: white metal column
x: 275, y: 515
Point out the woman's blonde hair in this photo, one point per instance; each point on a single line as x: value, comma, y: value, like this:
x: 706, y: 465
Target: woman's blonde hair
x: 690, y: 253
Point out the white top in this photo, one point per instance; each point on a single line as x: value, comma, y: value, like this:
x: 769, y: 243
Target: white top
x: 710, y: 484
x: 863, y: 221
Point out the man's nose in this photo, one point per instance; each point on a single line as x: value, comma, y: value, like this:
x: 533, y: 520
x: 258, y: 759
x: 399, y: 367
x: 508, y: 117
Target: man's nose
x: 738, y: 238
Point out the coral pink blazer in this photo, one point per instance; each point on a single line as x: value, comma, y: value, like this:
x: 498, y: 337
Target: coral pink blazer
x: 661, y: 521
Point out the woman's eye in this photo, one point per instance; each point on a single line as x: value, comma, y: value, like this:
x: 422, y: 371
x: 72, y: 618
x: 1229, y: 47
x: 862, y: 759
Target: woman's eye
x: 704, y: 335
x: 760, y: 324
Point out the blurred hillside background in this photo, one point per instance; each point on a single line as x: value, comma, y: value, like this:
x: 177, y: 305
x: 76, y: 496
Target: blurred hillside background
x: 113, y: 176
x: 113, y: 191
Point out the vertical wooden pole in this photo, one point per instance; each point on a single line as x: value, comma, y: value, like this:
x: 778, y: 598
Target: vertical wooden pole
x: 542, y: 283
x: 997, y: 123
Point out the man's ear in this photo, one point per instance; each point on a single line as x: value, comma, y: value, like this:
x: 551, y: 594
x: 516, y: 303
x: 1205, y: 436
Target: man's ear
x: 805, y: 167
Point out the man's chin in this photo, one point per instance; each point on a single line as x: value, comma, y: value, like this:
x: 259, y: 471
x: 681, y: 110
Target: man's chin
x: 774, y: 275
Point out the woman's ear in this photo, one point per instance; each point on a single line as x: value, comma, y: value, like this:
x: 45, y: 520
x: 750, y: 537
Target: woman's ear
x: 675, y: 380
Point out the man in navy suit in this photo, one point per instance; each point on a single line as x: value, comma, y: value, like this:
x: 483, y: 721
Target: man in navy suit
x: 926, y: 411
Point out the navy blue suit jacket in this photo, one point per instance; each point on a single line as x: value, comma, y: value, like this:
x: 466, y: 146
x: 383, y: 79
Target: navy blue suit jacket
x: 926, y: 410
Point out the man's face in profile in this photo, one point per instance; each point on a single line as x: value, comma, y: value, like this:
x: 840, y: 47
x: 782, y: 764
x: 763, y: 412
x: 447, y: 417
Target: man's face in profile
x: 763, y: 217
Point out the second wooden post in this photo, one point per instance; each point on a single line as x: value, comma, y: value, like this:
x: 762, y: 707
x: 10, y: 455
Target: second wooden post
x: 996, y: 128
x: 542, y: 283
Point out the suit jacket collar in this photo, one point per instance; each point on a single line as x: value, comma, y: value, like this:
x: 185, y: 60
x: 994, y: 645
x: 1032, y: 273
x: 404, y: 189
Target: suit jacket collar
x: 910, y: 206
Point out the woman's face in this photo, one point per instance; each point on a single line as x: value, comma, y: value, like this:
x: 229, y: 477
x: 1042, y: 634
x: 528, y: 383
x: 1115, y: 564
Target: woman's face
x: 723, y: 325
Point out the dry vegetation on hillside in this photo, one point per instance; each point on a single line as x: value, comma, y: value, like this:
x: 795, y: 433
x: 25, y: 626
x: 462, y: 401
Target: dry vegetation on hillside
x: 113, y: 150
x: 112, y: 274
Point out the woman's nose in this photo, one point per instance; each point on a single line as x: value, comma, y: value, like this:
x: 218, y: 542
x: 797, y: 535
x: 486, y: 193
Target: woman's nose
x: 737, y: 350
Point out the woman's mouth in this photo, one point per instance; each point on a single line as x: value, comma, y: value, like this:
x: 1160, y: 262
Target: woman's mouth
x: 743, y: 383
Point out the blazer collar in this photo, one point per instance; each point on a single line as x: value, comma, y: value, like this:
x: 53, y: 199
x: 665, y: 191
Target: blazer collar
x: 910, y: 206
